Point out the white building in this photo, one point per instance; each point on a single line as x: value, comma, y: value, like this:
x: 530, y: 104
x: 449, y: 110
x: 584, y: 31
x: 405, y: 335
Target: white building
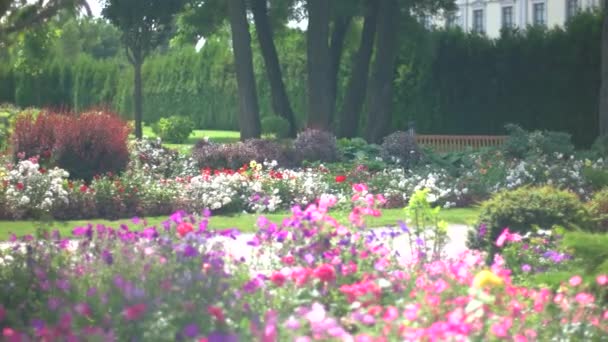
x: 490, y: 16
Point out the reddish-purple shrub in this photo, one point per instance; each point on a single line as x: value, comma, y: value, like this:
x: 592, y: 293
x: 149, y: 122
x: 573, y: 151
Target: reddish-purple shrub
x: 315, y: 145
x: 92, y: 143
x: 36, y: 135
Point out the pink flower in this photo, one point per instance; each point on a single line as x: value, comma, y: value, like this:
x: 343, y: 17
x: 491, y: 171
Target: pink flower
x: 602, y: 279
x: 288, y: 260
x: 584, y: 298
x: 134, y: 312
x: 411, y: 312
x: 216, y: 312
x: 501, y: 329
x: 390, y: 314
x: 575, y: 281
x: 504, y: 236
x: 360, y: 188
x: 316, y: 314
x: 278, y: 279
x: 325, y: 273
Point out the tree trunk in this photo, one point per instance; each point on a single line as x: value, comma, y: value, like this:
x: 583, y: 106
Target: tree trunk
x: 280, y: 100
x: 336, y: 47
x: 249, y: 116
x: 381, y: 83
x: 317, y: 50
x: 137, y: 98
x: 603, y: 107
x: 357, y: 84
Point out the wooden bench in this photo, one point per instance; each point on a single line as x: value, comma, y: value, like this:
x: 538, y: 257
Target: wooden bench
x: 452, y: 143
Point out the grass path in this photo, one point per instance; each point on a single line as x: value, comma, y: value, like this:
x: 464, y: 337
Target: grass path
x: 245, y: 222
x: 214, y: 135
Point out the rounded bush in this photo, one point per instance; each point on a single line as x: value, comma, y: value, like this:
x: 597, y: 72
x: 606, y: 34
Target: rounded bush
x: 598, y: 207
x: 276, y: 126
x: 523, y: 209
x: 316, y: 145
x: 91, y: 144
x: 400, y: 147
x: 174, y: 129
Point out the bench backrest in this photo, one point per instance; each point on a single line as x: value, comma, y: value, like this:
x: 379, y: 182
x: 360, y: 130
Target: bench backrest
x: 451, y: 143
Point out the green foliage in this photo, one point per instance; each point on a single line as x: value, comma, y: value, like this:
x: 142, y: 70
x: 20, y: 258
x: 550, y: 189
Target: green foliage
x: 510, y: 79
x: 598, y: 207
x: 358, y: 149
x: 174, y: 129
x: 597, y: 178
x: 275, y: 126
x: 427, y: 231
x: 523, y: 144
x: 600, y: 146
x: 525, y: 208
x: 590, y: 251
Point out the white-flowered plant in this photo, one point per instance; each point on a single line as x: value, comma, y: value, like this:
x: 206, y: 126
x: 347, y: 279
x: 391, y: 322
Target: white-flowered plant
x: 29, y: 188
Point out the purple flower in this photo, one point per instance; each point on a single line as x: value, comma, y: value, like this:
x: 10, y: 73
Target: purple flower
x: 206, y: 213
x: 255, y: 241
x: 526, y: 268
x: 53, y: 303
x: 309, y: 258
x: 218, y: 336
x: 190, y: 251
x: 403, y: 227
x: 106, y: 256
x: 62, y: 284
x: 483, y: 230
x: 136, y: 220
x: 150, y: 233
x: 190, y: 330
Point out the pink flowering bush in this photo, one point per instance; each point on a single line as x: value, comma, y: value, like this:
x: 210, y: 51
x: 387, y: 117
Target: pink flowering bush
x: 307, y: 278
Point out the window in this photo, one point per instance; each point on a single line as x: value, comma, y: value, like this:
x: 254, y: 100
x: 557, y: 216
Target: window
x: 538, y: 10
x: 571, y: 8
x: 478, y: 21
x: 451, y: 20
x: 507, y: 17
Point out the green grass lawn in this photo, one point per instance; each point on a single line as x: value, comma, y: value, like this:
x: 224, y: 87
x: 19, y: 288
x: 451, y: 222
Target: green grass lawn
x: 245, y: 222
x: 214, y: 135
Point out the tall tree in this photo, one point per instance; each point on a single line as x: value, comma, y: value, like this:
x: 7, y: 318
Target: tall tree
x: 145, y: 24
x: 280, y: 101
x: 249, y: 116
x: 17, y: 15
x: 603, y: 106
x: 381, y: 84
x: 357, y: 83
x: 318, y: 64
x: 341, y: 24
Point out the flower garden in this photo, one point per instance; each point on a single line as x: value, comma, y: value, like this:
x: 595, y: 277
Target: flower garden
x: 536, y: 266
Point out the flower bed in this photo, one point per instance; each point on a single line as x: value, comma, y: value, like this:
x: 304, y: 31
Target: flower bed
x: 308, y: 278
x: 159, y: 181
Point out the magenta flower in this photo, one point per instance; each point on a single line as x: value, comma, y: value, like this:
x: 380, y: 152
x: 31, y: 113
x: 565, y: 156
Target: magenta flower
x: 134, y: 312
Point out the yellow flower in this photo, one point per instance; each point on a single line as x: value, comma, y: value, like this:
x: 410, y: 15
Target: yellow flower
x: 486, y: 278
x: 253, y: 164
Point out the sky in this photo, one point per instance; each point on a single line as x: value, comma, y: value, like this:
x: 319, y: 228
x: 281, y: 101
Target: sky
x: 96, y: 9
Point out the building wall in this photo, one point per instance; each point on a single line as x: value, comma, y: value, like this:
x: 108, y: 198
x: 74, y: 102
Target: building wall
x: 523, y: 14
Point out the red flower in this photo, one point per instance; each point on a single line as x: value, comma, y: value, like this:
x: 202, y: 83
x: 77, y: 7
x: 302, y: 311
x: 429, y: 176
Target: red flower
x: 83, y: 188
x: 278, y: 278
x: 340, y: 178
x: 20, y: 186
x: 216, y: 312
x: 42, y: 170
x: 184, y: 228
x: 288, y: 260
x: 134, y: 312
x: 325, y: 273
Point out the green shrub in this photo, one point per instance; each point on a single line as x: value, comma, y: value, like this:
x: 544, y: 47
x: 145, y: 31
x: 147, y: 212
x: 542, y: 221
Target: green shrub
x: 589, y: 250
x: 598, y: 207
x: 275, y: 126
x: 523, y: 209
x: 600, y: 146
x: 522, y: 144
x: 174, y: 129
x: 596, y: 178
